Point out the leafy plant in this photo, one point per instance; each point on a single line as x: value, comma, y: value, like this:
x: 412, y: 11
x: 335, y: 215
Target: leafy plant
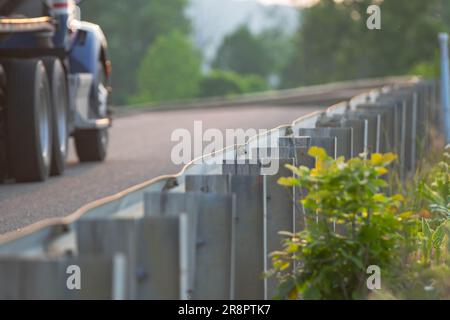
x: 437, y: 191
x: 351, y: 224
x: 436, y: 216
x: 426, y: 274
x: 432, y: 241
x: 422, y: 279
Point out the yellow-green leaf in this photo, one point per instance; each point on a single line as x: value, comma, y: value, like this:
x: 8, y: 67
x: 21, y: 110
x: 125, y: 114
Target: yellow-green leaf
x: 294, y: 169
x: 376, y: 158
x: 288, y: 182
x: 317, y: 152
x: 381, y: 170
x: 284, y: 266
x: 379, y: 197
x: 406, y: 215
x: 398, y: 197
x: 389, y: 157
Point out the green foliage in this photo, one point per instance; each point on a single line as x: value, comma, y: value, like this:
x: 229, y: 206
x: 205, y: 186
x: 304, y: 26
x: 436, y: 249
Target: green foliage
x: 169, y: 71
x: 428, y: 70
x: 435, y: 191
x: 412, y: 250
x: 243, y: 53
x: 416, y: 282
x: 432, y: 241
x: 333, y: 42
x: 427, y: 278
x: 131, y: 27
x: 426, y: 274
x: 228, y: 83
x: 279, y: 47
x: 351, y: 224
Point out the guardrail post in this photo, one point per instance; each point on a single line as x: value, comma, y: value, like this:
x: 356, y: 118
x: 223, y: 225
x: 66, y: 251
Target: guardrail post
x: 327, y: 138
x: 299, y: 157
x: 161, y: 260
x: 382, y: 125
x: 23, y: 278
x: 249, y: 229
x: 97, y: 237
x: 399, y: 136
x: 210, y: 221
x: 259, y: 222
x: 281, y: 214
x: 358, y: 134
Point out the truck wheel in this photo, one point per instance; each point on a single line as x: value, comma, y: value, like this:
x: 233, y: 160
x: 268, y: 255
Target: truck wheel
x: 91, y: 145
x: 60, y: 106
x: 29, y: 120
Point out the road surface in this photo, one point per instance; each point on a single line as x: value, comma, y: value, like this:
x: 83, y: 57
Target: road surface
x: 140, y: 149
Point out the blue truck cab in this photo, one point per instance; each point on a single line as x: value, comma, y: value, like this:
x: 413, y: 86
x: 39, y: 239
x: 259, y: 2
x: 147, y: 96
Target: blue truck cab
x: 54, y: 83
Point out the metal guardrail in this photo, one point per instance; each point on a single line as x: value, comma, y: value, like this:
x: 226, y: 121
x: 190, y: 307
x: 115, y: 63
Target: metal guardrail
x: 323, y: 94
x: 206, y: 233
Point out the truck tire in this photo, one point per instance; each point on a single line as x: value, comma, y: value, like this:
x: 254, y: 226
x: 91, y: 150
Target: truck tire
x: 60, y: 107
x: 29, y: 125
x: 91, y: 145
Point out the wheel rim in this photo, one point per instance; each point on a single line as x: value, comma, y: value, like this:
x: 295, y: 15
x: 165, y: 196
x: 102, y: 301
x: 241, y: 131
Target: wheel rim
x: 102, y: 99
x: 102, y: 92
x: 44, y: 125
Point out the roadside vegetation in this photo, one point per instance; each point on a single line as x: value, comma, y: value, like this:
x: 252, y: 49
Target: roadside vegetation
x: 353, y: 223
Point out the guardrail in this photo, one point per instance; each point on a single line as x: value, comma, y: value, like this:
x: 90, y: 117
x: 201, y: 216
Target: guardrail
x: 324, y: 94
x: 206, y: 233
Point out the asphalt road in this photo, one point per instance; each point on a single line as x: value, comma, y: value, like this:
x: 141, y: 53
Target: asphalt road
x: 140, y: 149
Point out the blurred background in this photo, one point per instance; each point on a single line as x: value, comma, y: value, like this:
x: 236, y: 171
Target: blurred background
x: 187, y: 49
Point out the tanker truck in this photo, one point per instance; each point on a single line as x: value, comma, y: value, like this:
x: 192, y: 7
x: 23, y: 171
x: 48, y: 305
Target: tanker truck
x: 54, y: 84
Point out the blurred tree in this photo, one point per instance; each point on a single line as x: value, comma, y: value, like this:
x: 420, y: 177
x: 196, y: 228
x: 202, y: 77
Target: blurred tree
x: 226, y: 83
x: 170, y: 70
x: 333, y: 42
x: 278, y: 46
x: 427, y: 69
x: 445, y: 9
x: 243, y: 53
x: 131, y: 26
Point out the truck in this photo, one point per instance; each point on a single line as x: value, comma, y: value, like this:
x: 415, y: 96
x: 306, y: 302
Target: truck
x: 54, y: 84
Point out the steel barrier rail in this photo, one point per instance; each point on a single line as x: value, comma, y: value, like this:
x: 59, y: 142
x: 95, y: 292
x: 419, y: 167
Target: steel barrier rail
x: 323, y: 93
x: 206, y: 233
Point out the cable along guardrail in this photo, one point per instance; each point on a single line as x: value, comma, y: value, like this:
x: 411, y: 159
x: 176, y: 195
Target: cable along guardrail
x: 207, y: 232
